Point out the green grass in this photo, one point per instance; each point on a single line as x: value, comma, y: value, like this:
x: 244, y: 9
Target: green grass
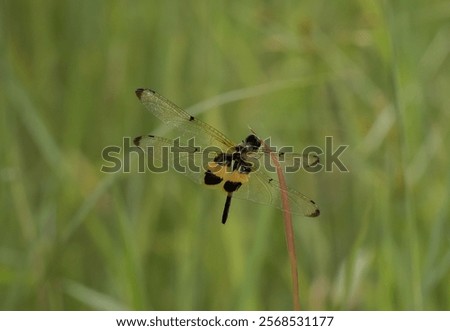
x: 371, y: 74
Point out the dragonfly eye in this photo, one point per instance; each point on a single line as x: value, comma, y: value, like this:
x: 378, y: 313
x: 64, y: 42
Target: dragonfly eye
x: 252, y: 142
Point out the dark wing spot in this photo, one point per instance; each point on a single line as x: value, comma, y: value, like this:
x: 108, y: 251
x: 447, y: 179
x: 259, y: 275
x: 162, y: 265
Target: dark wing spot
x: 139, y: 92
x: 137, y: 140
x: 211, y: 179
x: 191, y: 118
x: 270, y: 179
x: 315, y: 213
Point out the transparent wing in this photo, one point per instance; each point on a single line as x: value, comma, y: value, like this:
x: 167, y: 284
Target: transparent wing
x: 289, y: 162
x: 175, y: 117
x: 188, y: 161
x: 265, y: 190
x: 296, y: 160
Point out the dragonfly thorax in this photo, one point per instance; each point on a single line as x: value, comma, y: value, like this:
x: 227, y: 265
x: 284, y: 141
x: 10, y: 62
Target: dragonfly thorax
x: 232, y: 168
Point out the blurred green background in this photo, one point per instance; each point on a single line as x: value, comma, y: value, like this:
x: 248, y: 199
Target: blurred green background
x: 374, y: 75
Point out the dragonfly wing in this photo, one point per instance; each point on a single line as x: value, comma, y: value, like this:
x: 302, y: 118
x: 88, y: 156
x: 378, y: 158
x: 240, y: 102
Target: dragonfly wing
x: 290, y: 162
x: 192, y: 163
x: 267, y: 191
x: 295, y: 160
x: 175, y: 117
x: 163, y: 154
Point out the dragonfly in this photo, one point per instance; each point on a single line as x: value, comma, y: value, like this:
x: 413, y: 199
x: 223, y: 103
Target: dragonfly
x: 235, y: 168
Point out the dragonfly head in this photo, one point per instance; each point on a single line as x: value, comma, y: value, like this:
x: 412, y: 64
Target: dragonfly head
x: 252, y: 143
